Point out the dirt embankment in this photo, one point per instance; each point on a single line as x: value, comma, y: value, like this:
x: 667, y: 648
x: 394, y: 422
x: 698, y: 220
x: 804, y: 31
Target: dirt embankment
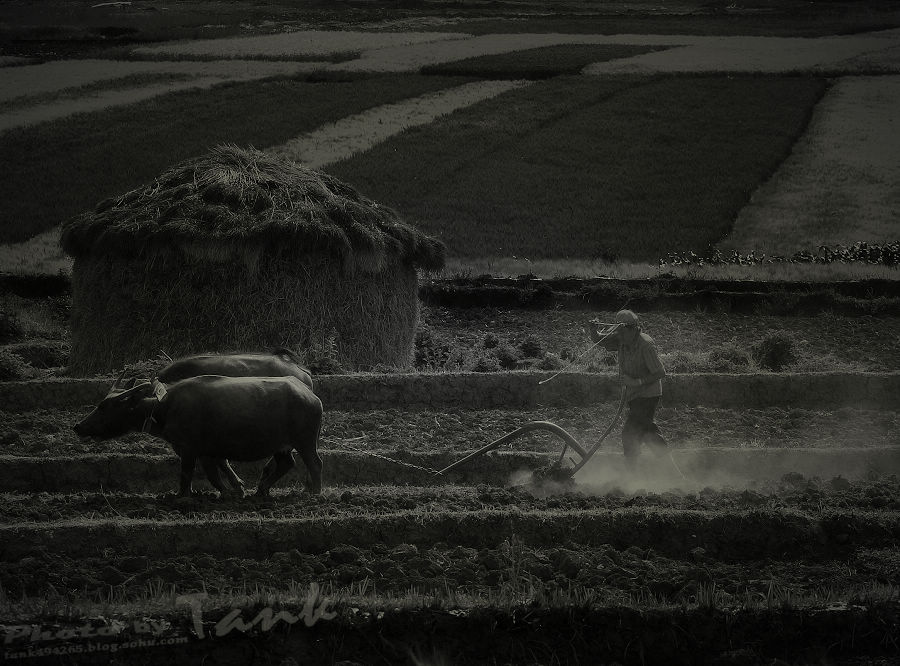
x: 524, y: 389
x: 606, y: 471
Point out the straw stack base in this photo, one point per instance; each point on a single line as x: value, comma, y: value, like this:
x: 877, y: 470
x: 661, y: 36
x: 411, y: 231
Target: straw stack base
x: 128, y: 310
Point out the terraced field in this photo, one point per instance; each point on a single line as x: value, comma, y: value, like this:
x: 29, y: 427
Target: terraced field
x: 769, y: 530
x: 768, y: 536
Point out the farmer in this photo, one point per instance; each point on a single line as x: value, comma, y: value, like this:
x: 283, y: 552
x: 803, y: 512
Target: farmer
x: 642, y: 373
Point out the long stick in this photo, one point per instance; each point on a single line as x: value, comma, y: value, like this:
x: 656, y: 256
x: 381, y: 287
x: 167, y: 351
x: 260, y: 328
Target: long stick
x: 580, y: 356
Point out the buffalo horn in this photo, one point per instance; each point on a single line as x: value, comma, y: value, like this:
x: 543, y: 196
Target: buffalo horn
x: 116, y: 384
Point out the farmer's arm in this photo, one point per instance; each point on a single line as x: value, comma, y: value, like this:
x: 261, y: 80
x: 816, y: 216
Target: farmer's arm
x: 655, y: 369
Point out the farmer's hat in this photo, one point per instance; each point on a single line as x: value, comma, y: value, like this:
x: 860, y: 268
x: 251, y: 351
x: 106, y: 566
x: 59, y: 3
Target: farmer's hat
x: 628, y: 318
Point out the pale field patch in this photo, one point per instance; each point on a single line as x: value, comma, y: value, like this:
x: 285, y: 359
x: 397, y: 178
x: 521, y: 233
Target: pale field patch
x: 841, y: 183
x: 360, y: 132
x: 850, y: 54
x: 65, y: 77
x: 292, y: 44
x: 96, y: 102
x: 690, y: 53
x: 59, y: 75
x: 7, y: 61
x: 38, y: 255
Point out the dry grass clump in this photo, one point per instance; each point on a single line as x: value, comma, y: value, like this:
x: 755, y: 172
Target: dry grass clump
x: 304, y: 304
x: 234, y: 203
x: 775, y: 351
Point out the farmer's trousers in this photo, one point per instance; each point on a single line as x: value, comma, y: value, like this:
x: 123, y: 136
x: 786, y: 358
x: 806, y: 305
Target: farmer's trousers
x: 640, y: 429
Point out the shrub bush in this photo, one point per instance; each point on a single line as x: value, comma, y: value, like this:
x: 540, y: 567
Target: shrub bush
x: 429, y: 353
x: 775, y: 351
x: 486, y: 363
x: 42, y: 353
x: 13, y: 368
x: 551, y: 361
x: 491, y: 341
x: 508, y: 356
x: 531, y: 347
x: 322, y: 358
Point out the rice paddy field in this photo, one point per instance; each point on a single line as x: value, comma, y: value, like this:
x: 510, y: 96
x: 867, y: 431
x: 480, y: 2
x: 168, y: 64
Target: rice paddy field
x: 534, y: 143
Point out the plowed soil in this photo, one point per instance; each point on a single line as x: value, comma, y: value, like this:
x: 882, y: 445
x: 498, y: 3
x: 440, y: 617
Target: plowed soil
x: 764, y: 544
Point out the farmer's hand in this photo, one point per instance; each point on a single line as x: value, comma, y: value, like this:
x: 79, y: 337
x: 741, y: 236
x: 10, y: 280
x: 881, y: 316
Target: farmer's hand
x: 631, y: 382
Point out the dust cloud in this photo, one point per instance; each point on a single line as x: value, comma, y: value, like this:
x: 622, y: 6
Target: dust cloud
x: 692, y: 470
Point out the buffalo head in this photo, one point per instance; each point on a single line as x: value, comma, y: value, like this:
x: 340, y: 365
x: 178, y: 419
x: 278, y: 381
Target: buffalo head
x: 121, y: 411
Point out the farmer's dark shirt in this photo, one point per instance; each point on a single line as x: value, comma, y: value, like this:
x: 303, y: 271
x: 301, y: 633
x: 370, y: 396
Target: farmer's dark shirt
x: 638, y: 360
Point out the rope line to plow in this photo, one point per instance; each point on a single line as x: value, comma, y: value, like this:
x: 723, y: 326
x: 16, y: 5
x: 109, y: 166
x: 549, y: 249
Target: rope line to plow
x: 402, y: 463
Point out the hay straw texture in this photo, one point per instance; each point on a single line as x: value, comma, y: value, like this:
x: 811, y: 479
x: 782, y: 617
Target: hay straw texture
x: 239, y: 250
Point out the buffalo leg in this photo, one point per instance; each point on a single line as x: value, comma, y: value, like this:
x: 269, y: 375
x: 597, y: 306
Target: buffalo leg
x: 266, y: 473
x: 276, y: 468
x: 309, y: 453
x: 314, y: 468
x: 212, y: 467
x: 187, y: 474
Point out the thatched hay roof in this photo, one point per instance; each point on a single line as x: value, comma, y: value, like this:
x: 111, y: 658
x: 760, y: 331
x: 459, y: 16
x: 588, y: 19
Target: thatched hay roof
x: 235, y: 203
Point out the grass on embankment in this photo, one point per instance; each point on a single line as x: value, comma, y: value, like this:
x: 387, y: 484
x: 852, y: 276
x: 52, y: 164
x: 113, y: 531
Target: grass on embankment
x: 588, y: 268
x: 632, y: 167
x: 421, y: 433
x: 66, y: 166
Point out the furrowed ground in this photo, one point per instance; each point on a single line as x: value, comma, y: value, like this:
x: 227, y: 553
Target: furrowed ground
x: 766, y: 519
x: 772, y: 515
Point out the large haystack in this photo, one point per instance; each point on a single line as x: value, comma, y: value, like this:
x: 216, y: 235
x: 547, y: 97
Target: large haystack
x: 239, y: 250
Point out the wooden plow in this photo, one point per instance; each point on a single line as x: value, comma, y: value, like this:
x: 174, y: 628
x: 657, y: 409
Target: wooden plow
x: 557, y: 471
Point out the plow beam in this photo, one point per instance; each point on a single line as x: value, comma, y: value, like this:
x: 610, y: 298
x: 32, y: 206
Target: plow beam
x: 528, y: 427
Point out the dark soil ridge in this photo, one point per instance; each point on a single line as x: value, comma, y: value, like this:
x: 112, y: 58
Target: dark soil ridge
x: 847, y: 297
x: 724, y: 535
x: 615, y: 576
x: 866, y: 288
x: 872, y: 297
x: 827, y: 390
x: 159, y: 473
x: 792, y: 492
x: 526, y: 635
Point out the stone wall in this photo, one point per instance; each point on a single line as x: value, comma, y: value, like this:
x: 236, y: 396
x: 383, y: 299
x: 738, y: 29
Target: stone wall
x: 523, y: 389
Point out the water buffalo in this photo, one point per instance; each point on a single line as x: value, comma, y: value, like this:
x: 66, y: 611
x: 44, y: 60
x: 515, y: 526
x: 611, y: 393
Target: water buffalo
x: 277, y: 363
x: 212, y: 417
